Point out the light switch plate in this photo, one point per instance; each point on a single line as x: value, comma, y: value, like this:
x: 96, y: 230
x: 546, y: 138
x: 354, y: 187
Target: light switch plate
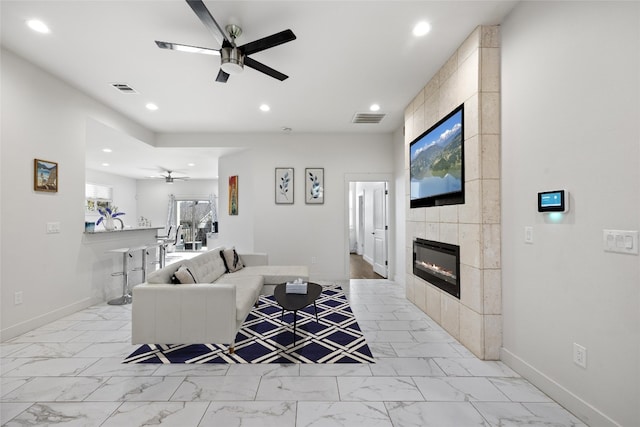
x: 620, y: 241
x: 528, y: 234
x: 53, y: 227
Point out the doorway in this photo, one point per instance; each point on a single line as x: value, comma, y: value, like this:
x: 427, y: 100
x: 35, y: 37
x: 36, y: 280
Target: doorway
x: 368, y: 230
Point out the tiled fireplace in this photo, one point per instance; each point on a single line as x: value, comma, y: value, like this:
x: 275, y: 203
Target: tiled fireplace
x: 473, y: 312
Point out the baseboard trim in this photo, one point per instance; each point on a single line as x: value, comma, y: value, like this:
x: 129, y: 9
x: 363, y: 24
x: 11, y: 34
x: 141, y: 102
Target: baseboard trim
x: 44, y: 319
x: 367, y: 259
x: 574, y: 404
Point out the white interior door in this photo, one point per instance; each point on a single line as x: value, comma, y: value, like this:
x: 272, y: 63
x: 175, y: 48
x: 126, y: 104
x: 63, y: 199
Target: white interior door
x: 380, y: 230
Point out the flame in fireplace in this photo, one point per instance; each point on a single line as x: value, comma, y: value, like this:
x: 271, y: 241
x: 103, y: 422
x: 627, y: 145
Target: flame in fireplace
x: 436, y: 269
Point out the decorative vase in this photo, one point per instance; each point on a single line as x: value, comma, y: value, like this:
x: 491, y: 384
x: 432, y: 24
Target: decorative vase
x: 108, y: 224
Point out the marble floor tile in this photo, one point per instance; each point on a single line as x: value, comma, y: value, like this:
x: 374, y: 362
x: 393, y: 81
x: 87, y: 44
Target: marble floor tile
x: 43, y: 336
x: 8, y: 384
x: 54, y: 389
x: 117, y: 349
x: 265, y: 370
x: 529, y: 414
x: 389, y: 336
x: 520, y: 390
x: 298, y: 388
x: 165, y: 414
x: 459, y: 389
x: 99, y: 325
x: 113, y: 367
x: 72, y: 414
x: 435, y: 414
x: 6, y: 349
x: 135, y: 389
x: 11, y: 410
x: 188, y: 370
x: 195, y: 389
x: 378, y: 389
x: 70, y: 372
x: 473, y: 367
x: 251, y: 414
x: 336, y: 370
x: 342, y: 414
x: 415, y: 349
x: 46, y: 367
x: 51, y: 349
x: 406, y: 367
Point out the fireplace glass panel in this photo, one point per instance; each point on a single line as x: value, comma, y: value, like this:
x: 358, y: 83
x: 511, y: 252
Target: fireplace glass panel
x: 438, y: 263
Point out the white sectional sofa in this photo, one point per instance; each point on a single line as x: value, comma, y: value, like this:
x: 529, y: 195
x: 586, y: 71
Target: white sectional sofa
x: 210, y: 310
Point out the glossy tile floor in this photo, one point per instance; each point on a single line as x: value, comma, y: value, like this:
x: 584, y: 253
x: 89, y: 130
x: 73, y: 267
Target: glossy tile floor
x: 69, y: 373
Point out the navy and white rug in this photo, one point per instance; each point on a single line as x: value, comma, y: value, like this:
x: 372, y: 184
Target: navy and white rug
x: 264, y: 338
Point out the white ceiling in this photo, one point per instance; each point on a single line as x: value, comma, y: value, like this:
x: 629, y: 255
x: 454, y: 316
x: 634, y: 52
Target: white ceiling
x: 348, y: 55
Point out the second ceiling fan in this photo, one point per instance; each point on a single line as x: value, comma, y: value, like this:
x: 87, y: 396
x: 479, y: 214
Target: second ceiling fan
x: 232, y: 58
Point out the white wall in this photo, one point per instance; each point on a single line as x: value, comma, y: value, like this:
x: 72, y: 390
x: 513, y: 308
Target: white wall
x: 42, y: 117
x: 294, y: 234
x: 397, y: 215
x: 571, y: 108
x: 153, y: 195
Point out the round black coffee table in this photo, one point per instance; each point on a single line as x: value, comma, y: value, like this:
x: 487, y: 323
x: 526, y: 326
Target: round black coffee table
x: 295, y: 302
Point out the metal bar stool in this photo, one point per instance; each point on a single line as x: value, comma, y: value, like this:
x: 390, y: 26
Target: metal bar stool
x: 126, y: 295
x: 147, y: 252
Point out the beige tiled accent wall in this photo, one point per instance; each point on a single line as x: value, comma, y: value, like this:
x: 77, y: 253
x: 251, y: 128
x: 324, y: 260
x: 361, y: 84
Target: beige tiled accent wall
x: 471, y: 76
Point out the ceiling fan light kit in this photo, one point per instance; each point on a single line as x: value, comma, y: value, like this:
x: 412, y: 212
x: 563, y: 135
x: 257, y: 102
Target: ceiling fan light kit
x: 232, y: 58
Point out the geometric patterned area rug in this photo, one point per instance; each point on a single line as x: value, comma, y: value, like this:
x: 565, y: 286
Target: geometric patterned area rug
x: 264, y: 338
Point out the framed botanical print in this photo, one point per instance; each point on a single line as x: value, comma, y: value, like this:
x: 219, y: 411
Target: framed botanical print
x: 314, y: 186
x: 45, y: 176
x: 284, y: 186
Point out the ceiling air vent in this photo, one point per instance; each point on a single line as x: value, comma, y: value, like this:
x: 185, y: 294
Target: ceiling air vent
x: 368, y: 118
x: 123, y: 87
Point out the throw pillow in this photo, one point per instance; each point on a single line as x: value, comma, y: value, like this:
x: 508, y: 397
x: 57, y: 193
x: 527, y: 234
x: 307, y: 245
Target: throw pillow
x: 174, y: 280
x: 184, y: 275
x: 231, y: 259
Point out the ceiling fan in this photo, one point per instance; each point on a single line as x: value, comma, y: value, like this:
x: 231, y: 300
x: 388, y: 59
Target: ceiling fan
x: 233, y: 58
x: 169, y: 179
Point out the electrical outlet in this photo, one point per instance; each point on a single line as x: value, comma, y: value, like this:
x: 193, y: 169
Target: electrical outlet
x: 579, y: 355
x: 53, y: 227
x: 313, y: 260
x: 17, y: 298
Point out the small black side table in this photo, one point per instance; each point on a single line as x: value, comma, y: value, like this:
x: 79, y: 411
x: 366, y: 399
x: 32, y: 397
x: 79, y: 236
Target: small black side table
x: 295, y: 302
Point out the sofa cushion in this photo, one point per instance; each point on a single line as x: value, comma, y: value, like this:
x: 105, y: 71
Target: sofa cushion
x: 274, y: 274
x: 231, y: 260
x: 184, y: 275
x: 247, y: 292
x: 207, y: 267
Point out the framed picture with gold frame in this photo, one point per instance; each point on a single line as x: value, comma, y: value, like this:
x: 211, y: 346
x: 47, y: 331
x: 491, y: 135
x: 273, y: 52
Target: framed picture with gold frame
x: 45, y: 176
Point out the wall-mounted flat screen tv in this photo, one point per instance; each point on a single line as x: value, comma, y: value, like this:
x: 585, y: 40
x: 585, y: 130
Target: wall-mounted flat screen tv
x: 437, y: 163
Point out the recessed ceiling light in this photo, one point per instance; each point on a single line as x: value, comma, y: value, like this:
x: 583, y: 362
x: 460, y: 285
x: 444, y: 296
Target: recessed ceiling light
x: 105, y: 164
x: 38, y: 26
x: 191, y: 164
x: 374, y: 107
x: 151, y: 106
x: 265, y: 108
x: 107, y: 150
x: 421, y: 29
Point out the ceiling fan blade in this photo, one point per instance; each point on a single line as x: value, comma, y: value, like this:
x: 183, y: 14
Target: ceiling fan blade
x: 249, y: 62
x: 222, y: 77
x: 268, y: 42
x: 187, y: 48
x: 207, y: 19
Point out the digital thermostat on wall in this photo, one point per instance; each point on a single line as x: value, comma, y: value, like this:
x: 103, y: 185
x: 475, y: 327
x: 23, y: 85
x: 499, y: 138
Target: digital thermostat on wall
x: 553, y: 201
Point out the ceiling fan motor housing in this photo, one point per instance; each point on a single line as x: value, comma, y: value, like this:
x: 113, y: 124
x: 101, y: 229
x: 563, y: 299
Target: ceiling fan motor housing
x: 231, y: 60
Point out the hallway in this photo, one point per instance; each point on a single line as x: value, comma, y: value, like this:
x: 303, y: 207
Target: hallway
x: 361, y: 269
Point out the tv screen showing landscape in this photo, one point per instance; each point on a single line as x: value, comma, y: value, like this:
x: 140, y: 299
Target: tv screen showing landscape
x: 437, y: 163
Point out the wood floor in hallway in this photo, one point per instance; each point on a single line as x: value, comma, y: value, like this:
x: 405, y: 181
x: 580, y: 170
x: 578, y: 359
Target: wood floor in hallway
x: 361, y: 269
